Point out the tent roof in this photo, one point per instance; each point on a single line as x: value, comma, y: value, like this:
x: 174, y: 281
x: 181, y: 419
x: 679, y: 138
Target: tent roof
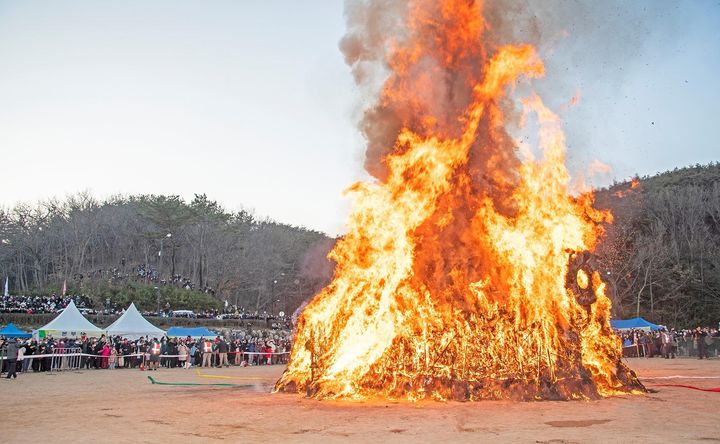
x: 133, y: 325
x: 10, y: 331
x: 637, y: 323
x: 71, y: 320
x: 194, y: 332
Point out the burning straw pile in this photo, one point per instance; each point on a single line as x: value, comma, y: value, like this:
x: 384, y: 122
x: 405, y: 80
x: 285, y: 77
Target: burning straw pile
x: 465, y: 272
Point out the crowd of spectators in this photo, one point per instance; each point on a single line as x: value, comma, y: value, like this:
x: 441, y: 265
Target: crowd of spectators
x: 277, y: 321
x: 669, y: 343
x: 41, y: 304
x: 263, y: 347
x: 236, y: 349
x: 143, y: 273
x: 55, y: 303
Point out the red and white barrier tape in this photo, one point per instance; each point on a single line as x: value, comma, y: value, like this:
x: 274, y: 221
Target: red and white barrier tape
x: 679, y: 377
x: 68, y: 355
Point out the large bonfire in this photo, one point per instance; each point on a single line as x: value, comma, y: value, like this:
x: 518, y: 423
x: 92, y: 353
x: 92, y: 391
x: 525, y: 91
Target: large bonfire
x: 466, y: 272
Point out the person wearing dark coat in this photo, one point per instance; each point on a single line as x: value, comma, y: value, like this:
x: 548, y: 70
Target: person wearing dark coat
x: 11, y: 352
x: 222, y: 348
x: 232, y: 351
x: 97, y: 351
x: 37, y: 364
x: 126, y: 350
x: 173, y: 351
x: 164, y: 362
x: 30, y: 349
x: 699, y: 337
x: 46, y: 361
x: 85, y: 348
x: 2, y: 354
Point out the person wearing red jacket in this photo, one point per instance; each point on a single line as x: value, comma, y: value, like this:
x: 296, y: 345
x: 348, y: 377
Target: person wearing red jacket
x: 105, y: 355
x: 268, y: 353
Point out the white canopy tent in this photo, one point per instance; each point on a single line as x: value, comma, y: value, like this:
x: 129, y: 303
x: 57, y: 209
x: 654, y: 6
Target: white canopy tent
x: 133, y: 325
x: 69, y: 324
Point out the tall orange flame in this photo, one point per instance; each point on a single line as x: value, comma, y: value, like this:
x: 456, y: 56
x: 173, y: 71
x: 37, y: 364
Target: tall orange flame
x: 466, y: 272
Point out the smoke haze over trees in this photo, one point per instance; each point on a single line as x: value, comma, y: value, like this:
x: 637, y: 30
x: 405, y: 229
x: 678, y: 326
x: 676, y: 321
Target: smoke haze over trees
x: 257, y: 264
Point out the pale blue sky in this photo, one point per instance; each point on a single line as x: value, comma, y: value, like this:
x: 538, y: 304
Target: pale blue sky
x: 251, y: 103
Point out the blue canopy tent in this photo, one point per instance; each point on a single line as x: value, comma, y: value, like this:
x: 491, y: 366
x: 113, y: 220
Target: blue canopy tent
x: 634, y: 323
x: 194, y: 332
x: 10, y: 331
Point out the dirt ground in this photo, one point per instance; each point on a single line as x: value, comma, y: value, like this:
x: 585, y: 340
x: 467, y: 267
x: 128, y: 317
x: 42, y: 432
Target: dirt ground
x: 122, y: 406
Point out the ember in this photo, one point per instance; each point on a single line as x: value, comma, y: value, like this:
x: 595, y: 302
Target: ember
x: 466, y: 271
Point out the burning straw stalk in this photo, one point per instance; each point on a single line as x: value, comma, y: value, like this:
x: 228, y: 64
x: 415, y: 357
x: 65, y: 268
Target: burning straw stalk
x: 464, y: 273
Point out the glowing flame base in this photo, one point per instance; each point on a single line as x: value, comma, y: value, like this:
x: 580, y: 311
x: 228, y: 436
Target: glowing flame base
x: 448, y: 289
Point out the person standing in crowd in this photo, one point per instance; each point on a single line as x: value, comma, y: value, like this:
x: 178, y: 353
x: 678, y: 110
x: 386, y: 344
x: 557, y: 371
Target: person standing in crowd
x: 699, y: 339
x: 164, y: 351
x: 174, y: 351
x: 192, y: 355
x: 90, y: 349
x: 222, y: 353
x: 126, y: 360
x: 142, y: 351
x: 182, y: 352
x: 234, y: 350
x: 657, y: 342
x: 267, y: 349
x: 112, y: 360
x: 120, y: 356
x: 242, y: 348
x: 117, y: 348
x: 58, y: 350
x: 38, y: 363
x: 251, y: 351
x: 105, y: 352
x: 2, y: 354
x: 154, y: 355
x: 97, y: 351
x: 30, y: 349
x: 20, y: 355
x: 207, y: 349
x: 12, y: 348
x: 49, y: 350
x: 667, y: 344
x: 216, y: 352
x: 84, y: 349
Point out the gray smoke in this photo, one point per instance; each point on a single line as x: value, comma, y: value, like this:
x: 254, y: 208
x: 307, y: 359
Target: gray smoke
x: 582, y: 43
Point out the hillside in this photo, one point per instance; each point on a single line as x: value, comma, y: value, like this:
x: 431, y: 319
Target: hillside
x: 127, y: 246
x: 661, y: 255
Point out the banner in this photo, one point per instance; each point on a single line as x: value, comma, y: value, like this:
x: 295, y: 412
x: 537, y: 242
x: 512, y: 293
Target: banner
x: 67, y: 334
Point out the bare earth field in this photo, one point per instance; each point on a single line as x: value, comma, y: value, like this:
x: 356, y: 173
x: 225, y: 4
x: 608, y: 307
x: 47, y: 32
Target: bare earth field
x: 122, y: 406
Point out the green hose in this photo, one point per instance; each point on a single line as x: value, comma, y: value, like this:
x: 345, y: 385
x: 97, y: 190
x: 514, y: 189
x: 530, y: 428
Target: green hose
x: 193, y: 383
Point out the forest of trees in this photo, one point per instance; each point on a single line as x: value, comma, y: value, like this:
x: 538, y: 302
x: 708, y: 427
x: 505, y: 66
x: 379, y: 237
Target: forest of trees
x: 661, y: 255
x: 103, y: 247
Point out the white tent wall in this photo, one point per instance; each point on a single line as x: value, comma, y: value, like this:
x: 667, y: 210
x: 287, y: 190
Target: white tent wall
x: 69, y: 324
x: 133, y: 325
